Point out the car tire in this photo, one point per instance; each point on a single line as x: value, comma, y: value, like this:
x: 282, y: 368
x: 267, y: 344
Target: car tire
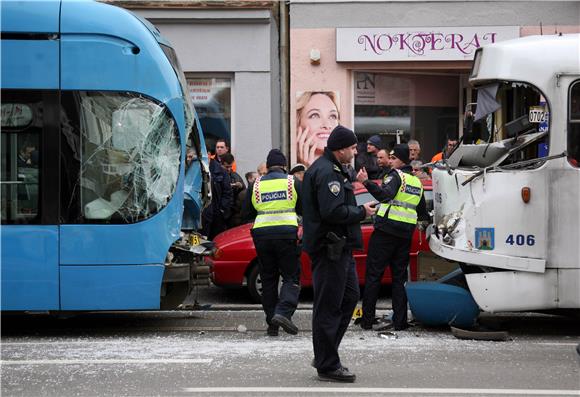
x: 255, y: 283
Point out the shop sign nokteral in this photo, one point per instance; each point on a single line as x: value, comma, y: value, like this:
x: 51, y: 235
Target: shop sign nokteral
x: 417, y: 44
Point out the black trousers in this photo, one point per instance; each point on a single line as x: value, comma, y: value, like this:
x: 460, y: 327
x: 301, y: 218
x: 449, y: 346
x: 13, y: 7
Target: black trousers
x: 336, y: 293
x: 386, y: 250
x: 279, y: 258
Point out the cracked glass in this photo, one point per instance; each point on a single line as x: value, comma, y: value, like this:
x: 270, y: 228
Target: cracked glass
x: 128, y: 153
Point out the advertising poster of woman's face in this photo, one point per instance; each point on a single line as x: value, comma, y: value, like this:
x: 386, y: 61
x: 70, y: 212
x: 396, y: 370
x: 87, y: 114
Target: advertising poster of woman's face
x: 317, y: 113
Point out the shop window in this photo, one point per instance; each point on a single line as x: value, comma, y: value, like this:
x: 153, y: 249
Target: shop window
x: 22, y: 130
x: 400, y: 107
x: 120, y: 157
x: 574, y: 125
x: 212, y: 98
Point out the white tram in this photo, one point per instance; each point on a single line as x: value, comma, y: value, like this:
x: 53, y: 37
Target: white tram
x: 507, y: 200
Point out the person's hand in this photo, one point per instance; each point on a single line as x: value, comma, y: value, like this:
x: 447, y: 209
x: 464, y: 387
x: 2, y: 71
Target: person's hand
x: 370, y: 208
x: 306, y: 147
x: 362, y: 175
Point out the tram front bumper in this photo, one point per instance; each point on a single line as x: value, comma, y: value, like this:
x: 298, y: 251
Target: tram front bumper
x: 485, y: 258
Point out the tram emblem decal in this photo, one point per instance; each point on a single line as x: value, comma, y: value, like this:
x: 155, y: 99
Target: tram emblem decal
x: 485, y: 238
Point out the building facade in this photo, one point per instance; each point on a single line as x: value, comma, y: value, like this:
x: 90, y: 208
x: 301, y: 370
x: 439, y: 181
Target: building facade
x: 399, y: 69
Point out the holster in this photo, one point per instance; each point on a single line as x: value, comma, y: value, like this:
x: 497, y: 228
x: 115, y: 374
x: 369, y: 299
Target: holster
x: 334, y: 246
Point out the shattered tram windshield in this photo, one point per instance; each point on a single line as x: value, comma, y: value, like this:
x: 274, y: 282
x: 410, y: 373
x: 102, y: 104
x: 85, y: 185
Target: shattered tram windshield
x: 510, y: 125
x: 125, y: 148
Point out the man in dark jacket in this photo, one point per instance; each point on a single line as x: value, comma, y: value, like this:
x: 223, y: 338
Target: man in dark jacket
x: 402, y: 202
x: 215, y: 215
x: 368, y: 159
x: 238, y: 189
x: 331, y: 231
x: 274, y: 203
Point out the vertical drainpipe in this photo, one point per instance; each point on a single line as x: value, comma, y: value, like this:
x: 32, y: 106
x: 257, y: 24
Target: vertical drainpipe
x: 284, y: 79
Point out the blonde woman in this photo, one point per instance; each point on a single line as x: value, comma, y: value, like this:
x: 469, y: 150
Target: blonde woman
x: 316, y: 116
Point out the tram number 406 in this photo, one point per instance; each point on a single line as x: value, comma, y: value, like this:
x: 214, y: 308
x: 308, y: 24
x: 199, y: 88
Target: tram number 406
x: 520, y: 239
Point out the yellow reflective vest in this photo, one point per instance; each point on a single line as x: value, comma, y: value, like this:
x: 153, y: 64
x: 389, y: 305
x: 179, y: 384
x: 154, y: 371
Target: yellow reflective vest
x: 403, y: 207
x: 275, y: 202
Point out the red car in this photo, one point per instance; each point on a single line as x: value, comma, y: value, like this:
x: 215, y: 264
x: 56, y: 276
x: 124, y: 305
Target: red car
x: 235, y: 263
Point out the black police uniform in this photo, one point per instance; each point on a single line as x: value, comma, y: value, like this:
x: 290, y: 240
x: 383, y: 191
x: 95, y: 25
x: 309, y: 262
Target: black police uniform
x: 329, y: 206
x: 389, y: 245
x: 279, y: 255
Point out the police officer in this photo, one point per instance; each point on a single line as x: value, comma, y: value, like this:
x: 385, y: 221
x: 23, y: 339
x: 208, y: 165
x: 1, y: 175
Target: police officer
x: 275, y: 202
x: 401, y: 198
x: 331, y: 231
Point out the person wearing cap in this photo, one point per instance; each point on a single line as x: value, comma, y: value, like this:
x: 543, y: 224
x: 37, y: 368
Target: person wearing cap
x: 368, y: 159
x: 331, y: 223
x: 275, y: 203
x: 298, y: 171
x: 401, y: 204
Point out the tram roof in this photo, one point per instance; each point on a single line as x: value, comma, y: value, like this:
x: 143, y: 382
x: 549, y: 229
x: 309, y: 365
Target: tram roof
x: 533, y: 59
x: 72, y: 17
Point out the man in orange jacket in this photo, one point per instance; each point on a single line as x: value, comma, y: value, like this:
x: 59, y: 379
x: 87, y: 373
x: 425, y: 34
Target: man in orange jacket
x: 451, y: 145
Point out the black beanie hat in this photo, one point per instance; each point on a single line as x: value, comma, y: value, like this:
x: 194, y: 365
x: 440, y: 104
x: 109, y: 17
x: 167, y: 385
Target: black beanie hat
x: 275, y: 158
x: 401, y: 151
x: 341, y: 137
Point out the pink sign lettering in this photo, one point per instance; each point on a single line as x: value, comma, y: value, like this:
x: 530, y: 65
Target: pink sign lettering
x: 417, y: 43
x: 420, y: 43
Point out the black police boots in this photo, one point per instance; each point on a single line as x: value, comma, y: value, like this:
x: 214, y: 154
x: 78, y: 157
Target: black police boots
x: 285, y: 323
x: 341, y: 374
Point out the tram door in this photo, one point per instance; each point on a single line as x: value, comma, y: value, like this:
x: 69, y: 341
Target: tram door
x: 29, y: 157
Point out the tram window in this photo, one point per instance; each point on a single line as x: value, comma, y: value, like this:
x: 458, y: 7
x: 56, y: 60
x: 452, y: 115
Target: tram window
x: 514, y: 117
x: 22, y: 128
x: 125, y: 152
x: 574, y: 125
x: 523, y: 121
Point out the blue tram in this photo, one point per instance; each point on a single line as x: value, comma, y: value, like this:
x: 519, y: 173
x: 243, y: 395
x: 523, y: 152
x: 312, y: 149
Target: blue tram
x: 96, y: 123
